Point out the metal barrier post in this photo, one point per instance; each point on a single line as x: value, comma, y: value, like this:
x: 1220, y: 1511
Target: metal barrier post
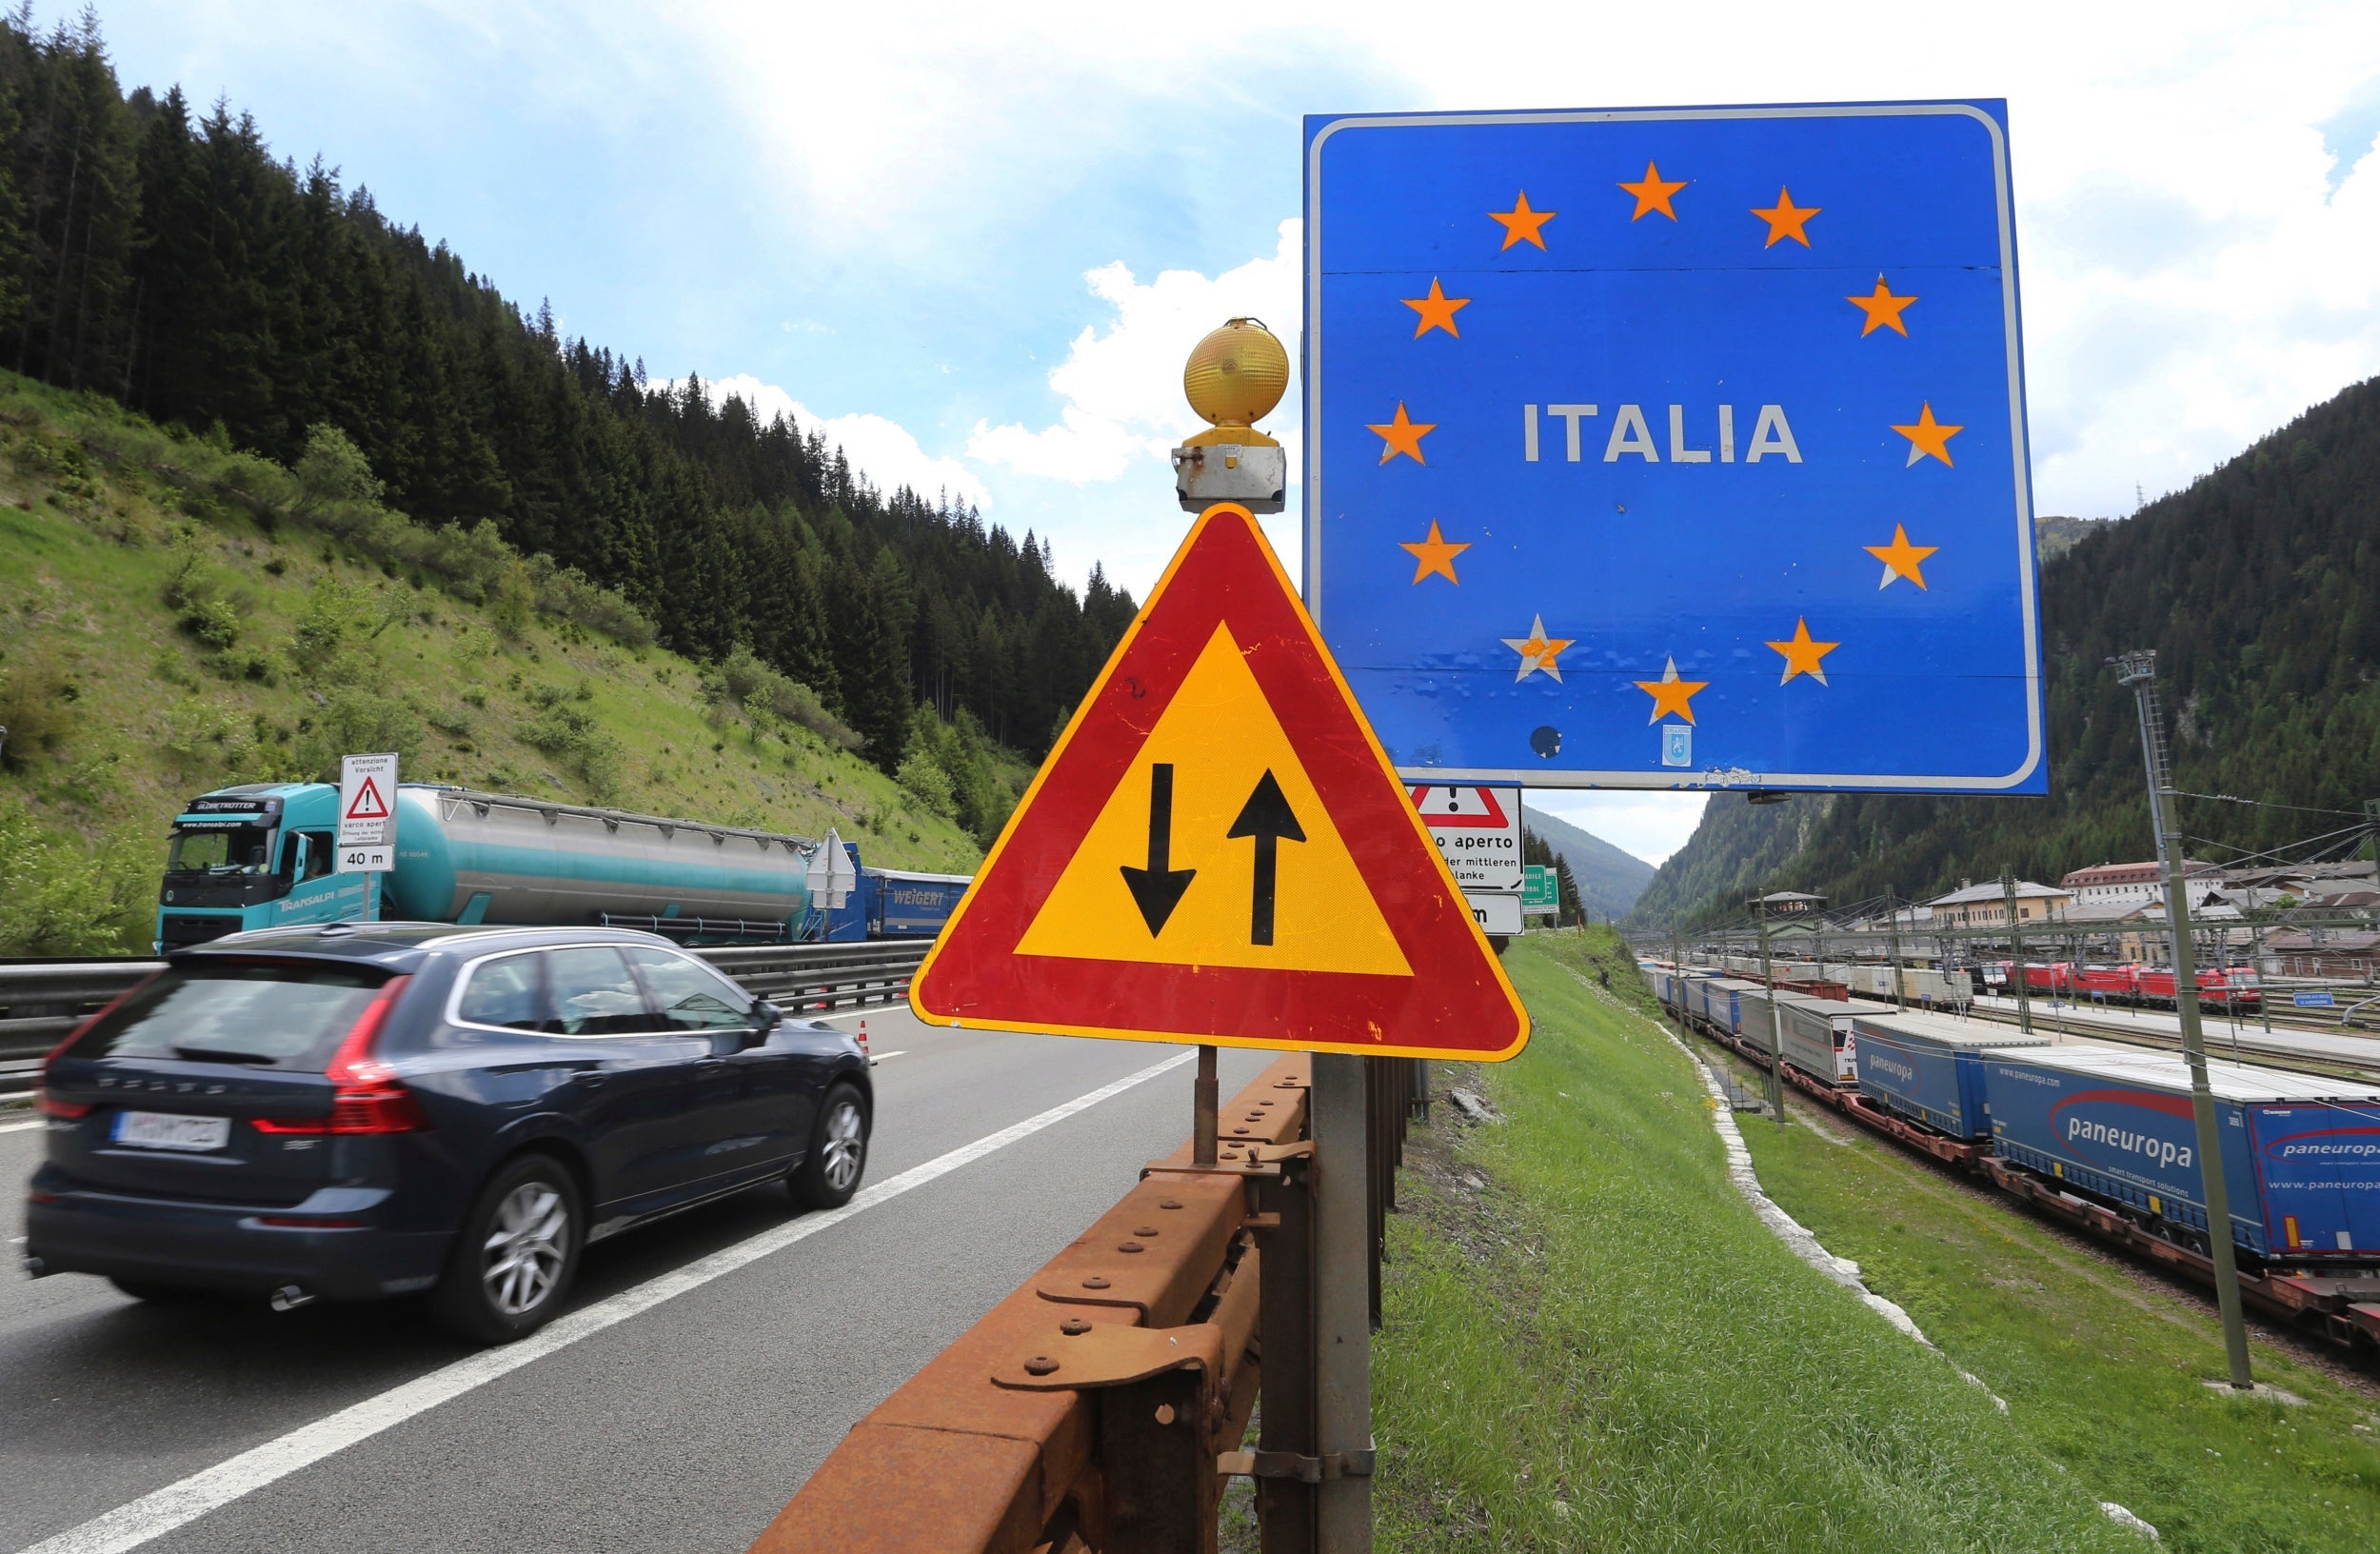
x: 1285, y: 1507
x: 1202, y: 1110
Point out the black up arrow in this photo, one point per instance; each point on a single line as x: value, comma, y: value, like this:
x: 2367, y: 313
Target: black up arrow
x: 1157, y: 888
x: 1266, y: 816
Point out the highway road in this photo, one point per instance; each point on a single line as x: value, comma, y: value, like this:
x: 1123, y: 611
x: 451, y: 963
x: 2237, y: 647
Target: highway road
x: 706, y: 1366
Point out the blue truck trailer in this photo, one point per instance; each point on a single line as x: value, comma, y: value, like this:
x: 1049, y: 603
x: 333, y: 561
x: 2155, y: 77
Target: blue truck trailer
x: 261, y: 856
x: 1930, y: 1066
x: 2301, y: 1152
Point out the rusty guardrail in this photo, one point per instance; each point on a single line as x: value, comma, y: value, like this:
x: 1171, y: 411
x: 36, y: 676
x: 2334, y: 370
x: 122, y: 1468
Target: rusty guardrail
x: 1102, y: 1405
x: 42, y: 1000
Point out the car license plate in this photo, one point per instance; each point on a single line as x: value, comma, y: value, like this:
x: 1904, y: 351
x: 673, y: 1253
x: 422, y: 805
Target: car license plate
x: 165, y: 1130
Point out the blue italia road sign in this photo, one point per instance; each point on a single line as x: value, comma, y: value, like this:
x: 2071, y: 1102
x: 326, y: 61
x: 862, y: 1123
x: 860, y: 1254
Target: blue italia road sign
x: 1674, y: 448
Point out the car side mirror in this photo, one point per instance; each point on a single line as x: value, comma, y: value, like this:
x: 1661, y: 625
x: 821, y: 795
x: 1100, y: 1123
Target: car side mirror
x: 766, y: 1017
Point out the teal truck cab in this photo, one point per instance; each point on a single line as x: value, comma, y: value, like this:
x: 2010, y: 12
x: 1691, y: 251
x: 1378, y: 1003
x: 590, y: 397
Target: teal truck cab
x: 257, y: 857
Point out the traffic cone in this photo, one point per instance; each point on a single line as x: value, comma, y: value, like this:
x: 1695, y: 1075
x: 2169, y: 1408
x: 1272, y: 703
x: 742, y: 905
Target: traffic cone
x: 863, y: 1051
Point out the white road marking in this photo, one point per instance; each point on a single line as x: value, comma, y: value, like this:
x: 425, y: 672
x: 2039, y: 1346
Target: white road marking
x: 887, y: 1057
x: 20, y: 1128
x: 161, y: 1510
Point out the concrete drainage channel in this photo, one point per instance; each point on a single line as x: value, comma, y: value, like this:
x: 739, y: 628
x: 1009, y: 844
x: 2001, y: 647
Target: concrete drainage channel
x: 1805, y: 1246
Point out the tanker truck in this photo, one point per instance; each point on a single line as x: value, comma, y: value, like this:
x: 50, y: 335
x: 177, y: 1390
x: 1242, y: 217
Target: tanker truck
x: 261, y: 856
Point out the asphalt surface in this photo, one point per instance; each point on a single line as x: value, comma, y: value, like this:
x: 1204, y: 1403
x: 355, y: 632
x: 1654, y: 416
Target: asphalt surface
x: 685, y: 1427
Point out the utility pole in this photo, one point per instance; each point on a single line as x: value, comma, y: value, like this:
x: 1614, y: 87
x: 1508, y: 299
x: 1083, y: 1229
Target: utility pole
x: 2017, y: 941
x: 1893, y: 942
x: 1776, y: 1033
x: 2139, y: 672
x: 1678, y: 975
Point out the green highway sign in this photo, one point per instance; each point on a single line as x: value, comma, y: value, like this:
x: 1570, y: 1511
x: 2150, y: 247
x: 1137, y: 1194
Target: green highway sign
x: 1537, y: 890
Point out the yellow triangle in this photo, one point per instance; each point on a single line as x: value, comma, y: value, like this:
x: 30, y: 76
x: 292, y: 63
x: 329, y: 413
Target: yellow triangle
x: 1221, y: 737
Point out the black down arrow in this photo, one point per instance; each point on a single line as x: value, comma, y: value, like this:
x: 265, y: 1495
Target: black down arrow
x: 1266, y: 816
x: 1157, y: 888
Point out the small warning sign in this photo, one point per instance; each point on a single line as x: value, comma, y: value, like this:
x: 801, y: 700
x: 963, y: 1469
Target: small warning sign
x: 368, y: 822
x: 367, y: 803
x: 1479, y: 829
x: 1217, y: 850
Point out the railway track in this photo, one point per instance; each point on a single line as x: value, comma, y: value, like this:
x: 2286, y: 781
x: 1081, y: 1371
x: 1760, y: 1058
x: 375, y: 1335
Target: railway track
x: 2330, y: 1051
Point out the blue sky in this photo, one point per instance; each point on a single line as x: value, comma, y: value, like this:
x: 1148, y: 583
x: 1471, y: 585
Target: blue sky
x: 975, y: 242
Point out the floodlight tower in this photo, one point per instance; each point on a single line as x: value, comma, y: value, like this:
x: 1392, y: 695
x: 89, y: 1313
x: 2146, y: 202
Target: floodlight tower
x: 2138, y: 670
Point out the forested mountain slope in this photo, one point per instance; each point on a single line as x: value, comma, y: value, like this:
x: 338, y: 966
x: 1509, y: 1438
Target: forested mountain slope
x: 1609, y: 880
x: 167, y: 260
x: 2259, y: 587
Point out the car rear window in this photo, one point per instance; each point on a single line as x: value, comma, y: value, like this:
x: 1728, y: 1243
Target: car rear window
x: 259, y: 1014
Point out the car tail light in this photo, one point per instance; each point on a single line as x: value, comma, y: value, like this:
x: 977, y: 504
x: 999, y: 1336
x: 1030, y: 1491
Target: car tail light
x: 59, y: 1108
x: 365, y: 1097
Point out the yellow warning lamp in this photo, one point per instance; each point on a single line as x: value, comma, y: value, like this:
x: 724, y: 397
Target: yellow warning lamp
x: 1234, y: 378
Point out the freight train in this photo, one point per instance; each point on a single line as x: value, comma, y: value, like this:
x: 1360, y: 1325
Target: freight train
x: 2102, y: 1136
x: 2150, y: 987
x: 261, y: 856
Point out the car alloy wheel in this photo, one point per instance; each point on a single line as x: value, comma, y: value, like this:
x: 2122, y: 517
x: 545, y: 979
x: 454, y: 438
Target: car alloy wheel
x: 844, y: 1145
x: 526, y: 1243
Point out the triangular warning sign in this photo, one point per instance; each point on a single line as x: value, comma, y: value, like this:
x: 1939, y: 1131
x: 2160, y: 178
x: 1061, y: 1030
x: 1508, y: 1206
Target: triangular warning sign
x: 368, y: 805
x: 1452, y: 808
x: 1217, y: 850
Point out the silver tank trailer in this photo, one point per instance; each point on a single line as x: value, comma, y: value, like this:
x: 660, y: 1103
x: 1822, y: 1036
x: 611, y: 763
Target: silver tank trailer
x: 536, y: 863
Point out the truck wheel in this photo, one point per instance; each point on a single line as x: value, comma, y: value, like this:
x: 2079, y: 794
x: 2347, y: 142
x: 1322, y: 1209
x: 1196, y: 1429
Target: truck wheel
x: 831, y: 1173
x: 515, y: 1254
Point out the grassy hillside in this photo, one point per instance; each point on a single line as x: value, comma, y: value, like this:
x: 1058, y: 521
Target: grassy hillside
x: 2258, y: 586
x: 178, y: 617
x: 1609, y: 880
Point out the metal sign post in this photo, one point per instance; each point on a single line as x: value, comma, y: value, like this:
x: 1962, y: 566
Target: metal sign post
x: 1892, y: 930
x: 2017, y: 956
x: 2139, y: 672
x: 1776, y: 1017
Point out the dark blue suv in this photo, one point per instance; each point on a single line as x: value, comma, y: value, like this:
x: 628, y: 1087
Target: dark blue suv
x: 376, y: 1109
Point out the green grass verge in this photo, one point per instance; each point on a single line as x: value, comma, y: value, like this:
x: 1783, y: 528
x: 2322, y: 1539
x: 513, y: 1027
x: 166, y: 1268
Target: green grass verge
x: 1591, y: 1342
x: 2102, y: 1370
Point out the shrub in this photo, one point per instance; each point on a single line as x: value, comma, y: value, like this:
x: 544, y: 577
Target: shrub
x: 575, y: 739
x: 353, y: 721
x: 757, y: 687
x: 926, y: 781
x: 59, y: 897
x: 35, y: 696
x: 212, y: 622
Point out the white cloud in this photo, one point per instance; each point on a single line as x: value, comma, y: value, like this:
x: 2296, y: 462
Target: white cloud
x: 883, y: 450
x: 2197, y: 197
x: 1121, y: 389
x: 1651, y: 825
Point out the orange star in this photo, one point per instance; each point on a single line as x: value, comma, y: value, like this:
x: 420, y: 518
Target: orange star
x: 1404, y: 436
x: 1437, y: 553
x: 1785, y: 219
x: 1902, y: 558
x: 1803, y: 655
x: 1438, y: 309
x: 1929, y: 436
x: 1522, y: 225
x: 1538, y: 651
x: 1671, y: 694
x: 1883, y: 310
x: 1653, y: 194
